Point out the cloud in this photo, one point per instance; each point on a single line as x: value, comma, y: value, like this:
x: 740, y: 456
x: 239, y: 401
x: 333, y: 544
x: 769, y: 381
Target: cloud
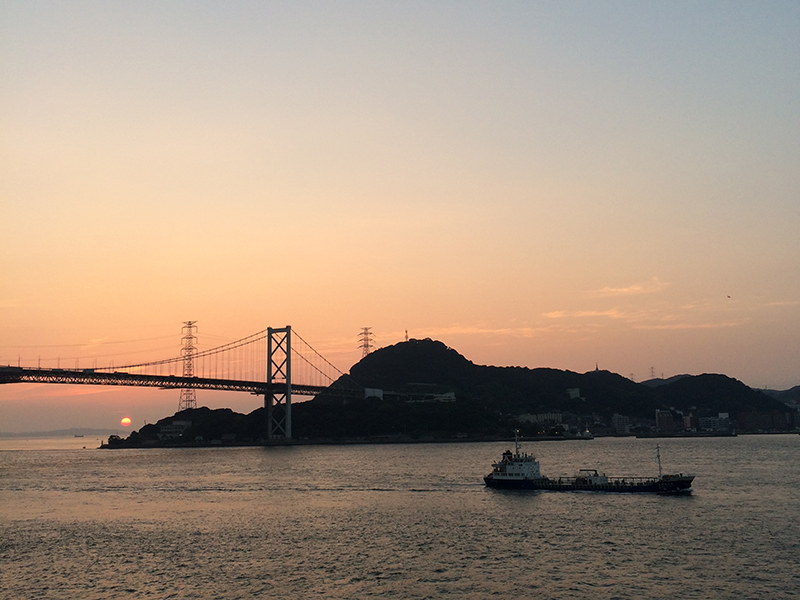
x: 343, y: 346
x: 648, y: 287
x: 458, y: 329
x: 37, y: 391
x: 611, y: 313
x: 80, y: 390
x: 556, y: 314
x: 13, y: 303
x: 698, y: 316
x: 691, y: 325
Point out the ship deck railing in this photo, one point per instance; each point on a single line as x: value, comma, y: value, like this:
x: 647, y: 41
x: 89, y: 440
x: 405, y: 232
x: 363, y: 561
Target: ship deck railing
x: 610, y: 480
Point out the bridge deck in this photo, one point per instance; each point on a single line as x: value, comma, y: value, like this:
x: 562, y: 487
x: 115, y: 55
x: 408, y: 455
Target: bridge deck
x: 93, y: 377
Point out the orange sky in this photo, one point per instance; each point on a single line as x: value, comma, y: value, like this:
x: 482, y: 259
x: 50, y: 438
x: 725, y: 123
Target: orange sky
x: 531, y: 184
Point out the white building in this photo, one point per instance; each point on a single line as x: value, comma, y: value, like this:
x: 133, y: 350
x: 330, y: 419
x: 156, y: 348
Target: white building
x: 174, y: 430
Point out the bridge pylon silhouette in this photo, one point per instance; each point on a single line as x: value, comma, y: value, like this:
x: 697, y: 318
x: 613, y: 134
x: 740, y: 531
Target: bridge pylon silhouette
x: 278, y: 401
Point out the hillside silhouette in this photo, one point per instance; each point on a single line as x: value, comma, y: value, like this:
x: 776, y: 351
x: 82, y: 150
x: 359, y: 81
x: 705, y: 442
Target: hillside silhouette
x: 422, y: 389
x: 409, y: 368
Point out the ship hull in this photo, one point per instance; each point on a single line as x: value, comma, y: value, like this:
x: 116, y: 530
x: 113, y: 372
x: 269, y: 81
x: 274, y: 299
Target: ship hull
x: 674, y: 485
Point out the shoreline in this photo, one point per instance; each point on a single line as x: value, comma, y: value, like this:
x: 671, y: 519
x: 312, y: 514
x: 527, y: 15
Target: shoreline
x: 384, y: 441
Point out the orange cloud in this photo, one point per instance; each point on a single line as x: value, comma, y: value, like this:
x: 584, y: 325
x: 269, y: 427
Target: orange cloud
x: 649, y: 287
x: 691, y: 325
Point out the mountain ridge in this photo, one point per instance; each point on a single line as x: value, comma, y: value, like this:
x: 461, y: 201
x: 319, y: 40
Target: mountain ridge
x: 424, y: 390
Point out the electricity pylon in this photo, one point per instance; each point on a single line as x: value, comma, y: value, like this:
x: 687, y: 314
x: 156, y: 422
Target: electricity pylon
x: 366, y: 341
x: 188, y: 397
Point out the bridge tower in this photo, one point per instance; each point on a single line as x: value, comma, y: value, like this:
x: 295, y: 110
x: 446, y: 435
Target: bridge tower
x: 188, y: 398
x: 278, y: 401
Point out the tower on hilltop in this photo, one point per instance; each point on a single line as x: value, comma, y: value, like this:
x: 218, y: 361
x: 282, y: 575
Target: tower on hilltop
x: 188, y: 398
x: 366, y: 341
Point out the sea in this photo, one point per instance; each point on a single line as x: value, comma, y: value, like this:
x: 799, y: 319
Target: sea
x: 396, y: 521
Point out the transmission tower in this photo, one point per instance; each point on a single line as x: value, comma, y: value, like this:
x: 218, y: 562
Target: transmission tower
x: 366, y: 341
x: 188, y: 397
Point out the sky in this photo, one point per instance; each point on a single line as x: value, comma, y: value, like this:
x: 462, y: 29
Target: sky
x: 540, y: 184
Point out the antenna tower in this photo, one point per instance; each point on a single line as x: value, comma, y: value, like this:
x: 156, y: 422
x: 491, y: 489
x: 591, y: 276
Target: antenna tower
x: 366, y: 341
x: 188, y: 397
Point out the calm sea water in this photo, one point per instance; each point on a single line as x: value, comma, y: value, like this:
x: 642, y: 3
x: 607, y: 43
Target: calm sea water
x: 397, y: 521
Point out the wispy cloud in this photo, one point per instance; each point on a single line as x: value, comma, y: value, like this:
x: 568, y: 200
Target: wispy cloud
x: 13, y: 303
x: 661, y: 317
x: 30, y: 391
x: 611, y: 313
x: 690, y: 325
x: 522, y: 331
x: 648, y: 287
x: 700, y: 315
x: 348, y: 346
x: 83, y: 390
x: 556, y: 314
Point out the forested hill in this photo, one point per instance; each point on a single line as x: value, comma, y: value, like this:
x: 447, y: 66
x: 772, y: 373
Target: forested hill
x: 421, y: 389
x: 415, y: 368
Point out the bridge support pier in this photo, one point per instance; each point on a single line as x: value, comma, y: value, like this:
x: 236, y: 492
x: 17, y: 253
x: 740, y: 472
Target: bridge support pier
x: 278, y: 401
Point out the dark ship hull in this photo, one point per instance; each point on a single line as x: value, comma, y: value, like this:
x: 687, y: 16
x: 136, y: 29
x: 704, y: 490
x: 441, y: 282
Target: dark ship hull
x: 668, y: 484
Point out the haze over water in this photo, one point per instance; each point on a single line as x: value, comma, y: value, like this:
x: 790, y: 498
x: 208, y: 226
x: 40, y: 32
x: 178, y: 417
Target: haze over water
x: 399, y: 521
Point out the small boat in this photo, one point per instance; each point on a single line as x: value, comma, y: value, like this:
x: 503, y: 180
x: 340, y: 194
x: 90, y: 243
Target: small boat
x: 520, y: 471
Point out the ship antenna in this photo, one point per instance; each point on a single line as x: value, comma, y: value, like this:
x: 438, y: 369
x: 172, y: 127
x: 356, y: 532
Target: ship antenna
x: 516, y: 440
x: 658, y: 455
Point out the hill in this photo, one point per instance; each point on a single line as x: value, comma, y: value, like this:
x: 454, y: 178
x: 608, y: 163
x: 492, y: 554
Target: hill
x: 421, y: 389
x: 416, y: 367
x: 789, y: 397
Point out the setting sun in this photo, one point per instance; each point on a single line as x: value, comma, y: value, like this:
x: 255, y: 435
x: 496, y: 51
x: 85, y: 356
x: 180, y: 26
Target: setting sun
x: 125, y: 422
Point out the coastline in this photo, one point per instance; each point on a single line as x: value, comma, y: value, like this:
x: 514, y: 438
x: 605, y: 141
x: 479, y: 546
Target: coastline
x: 410, y: 440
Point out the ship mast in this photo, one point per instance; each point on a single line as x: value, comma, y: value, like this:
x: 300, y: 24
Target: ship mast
x: 658, y: 455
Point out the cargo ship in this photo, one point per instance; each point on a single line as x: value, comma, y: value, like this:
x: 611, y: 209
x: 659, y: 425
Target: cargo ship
x: 520, y: 471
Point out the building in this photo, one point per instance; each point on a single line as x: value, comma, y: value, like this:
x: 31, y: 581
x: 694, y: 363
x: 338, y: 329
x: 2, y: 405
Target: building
x: 665, y: 423
x: 719, y: 423
x: 766, y: 421
x: 428, y: 398
x: 621, y: 424
x: 174, y: 430
x: 540, y: 418
x: 690, y: 422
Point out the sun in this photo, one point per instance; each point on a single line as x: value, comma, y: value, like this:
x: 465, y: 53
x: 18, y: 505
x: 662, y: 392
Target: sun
x: 125, y: 422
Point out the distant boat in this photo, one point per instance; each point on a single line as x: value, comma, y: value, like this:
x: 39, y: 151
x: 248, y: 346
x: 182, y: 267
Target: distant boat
x: 78, y: 435
x: 521, y: 472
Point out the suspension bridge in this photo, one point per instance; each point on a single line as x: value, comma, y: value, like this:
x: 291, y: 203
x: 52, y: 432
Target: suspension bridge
x: 275, y: 363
